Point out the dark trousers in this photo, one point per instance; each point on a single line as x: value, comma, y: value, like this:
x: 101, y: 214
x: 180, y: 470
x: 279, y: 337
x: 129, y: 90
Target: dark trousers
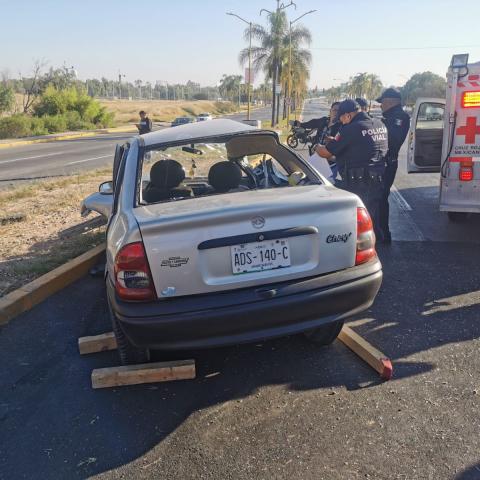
x: 389, y: 177
x: 370, y: 192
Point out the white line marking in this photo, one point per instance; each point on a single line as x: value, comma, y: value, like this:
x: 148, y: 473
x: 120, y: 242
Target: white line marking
x: 30, y: 158
x: 400, y: 199
x: 88, y: 159
x: 63, y: 152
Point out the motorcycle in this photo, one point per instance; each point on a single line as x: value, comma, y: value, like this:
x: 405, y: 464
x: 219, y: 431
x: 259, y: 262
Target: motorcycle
x: 300, y: 135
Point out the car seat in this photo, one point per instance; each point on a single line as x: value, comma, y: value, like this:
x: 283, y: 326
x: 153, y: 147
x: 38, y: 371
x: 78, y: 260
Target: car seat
x: 166, y: 177
x: 225, y: 177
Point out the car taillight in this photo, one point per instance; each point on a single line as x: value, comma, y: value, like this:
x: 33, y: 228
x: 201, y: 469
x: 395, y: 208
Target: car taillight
x: 133, y: 280
x: 465, y: 174
x: 365, y: 237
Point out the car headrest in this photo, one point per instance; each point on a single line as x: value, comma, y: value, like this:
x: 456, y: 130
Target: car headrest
x: 167, y: 174
x: 224, y: 176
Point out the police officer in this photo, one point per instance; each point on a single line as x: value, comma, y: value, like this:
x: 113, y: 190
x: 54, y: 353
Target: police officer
x: 360, y: 150
x: 145, y: 124
x: 325, y: 126
x: 363, y: 104
x: 397, y: 122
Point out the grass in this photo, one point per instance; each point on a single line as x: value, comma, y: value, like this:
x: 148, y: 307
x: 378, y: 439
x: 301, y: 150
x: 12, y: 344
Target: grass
x: 51, y: 230
x: 126, y: 111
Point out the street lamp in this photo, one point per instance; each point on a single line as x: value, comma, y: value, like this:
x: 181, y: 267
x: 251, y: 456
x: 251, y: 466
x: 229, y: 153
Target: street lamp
x: 290, y: 63
x: 249, y: 58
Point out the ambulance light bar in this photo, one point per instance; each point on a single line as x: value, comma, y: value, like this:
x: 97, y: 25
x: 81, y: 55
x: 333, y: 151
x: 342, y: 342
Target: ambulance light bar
x: 471, y: 99
x: 459, y: 61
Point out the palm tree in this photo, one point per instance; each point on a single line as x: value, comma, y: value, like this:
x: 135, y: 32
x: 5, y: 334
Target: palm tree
x: 230, y: 86
x: 271, y: 55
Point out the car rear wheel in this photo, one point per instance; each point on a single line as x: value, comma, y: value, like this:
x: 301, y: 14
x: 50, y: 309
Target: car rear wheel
x: 129, y: 353
x: 325, y: 334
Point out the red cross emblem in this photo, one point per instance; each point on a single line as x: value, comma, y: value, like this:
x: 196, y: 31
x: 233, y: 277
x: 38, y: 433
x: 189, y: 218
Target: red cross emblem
x: 470, y: 130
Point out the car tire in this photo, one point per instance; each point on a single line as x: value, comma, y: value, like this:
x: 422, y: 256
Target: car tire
x: 292, y: 141
x: 129, y: 353
x: 458, y: 217
x: 325, y: 334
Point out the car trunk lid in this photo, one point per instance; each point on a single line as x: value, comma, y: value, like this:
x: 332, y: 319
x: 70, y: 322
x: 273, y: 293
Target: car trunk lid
x: 195, y: 246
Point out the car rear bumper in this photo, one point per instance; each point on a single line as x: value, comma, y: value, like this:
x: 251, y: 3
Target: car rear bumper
x: 248, y: 315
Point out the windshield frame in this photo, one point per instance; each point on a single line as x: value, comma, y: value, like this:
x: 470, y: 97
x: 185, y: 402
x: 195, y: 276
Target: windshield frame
x: 312, y: 175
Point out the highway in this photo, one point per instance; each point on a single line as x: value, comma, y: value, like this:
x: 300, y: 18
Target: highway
x: 65, y: 157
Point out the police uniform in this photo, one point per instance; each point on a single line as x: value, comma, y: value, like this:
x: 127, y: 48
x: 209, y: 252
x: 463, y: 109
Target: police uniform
x: 397, y: 122
x: 322, y: 127
x: 360, y: 148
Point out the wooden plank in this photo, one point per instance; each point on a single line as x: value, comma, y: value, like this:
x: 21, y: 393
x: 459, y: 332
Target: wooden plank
x: 367, y: 352
x: 144, y: 373
x: 97, y: 343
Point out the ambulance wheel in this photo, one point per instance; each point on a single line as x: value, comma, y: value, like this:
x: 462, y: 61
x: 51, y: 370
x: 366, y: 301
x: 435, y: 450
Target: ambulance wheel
x: 457, y: 217
x: 292, y: 141
x: 325, y: 334
x: 129, y: 353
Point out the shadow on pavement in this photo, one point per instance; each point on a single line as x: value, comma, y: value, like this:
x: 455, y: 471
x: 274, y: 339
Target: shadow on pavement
x: 434, y: 224
x: 472, y: 473
x: 50, y: 415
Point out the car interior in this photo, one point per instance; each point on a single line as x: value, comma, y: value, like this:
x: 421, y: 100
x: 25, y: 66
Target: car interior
x: 240, y: 164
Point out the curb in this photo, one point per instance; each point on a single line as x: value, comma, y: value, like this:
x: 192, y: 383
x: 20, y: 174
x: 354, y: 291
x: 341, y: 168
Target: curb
x: 26, y: 297
x: 58, y: 138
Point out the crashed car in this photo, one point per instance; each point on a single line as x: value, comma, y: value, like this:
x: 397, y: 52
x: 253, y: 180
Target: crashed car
x: 219, y: 234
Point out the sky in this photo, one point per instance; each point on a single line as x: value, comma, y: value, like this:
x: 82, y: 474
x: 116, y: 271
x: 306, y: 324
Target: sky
x: 176, y: 41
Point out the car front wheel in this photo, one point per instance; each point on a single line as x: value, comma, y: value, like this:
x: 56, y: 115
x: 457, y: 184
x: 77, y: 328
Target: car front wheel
x: 129, y: 353
x: 325, y: 334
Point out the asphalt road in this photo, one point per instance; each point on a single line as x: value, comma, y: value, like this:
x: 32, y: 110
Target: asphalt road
x: 278, y: 409
x: 71, y: 156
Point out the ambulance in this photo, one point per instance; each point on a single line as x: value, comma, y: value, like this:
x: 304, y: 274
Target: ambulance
x: 445, y: 137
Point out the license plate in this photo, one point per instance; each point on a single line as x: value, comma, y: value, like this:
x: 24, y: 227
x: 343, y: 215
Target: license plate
x: 260, y: 256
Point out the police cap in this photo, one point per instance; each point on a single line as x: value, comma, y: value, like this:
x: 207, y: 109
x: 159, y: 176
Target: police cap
x: 362, y: 102
x: 389, y: 93
x: 347, y: 106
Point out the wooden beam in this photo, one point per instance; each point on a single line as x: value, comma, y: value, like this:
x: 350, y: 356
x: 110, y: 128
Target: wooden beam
x: 375, y: 358
x: 144, y: 373
x: 97, y: 343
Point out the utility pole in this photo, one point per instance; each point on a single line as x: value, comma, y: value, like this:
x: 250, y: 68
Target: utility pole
x: 120, y: 75
x: 289, y: 93
x: 249, y: 79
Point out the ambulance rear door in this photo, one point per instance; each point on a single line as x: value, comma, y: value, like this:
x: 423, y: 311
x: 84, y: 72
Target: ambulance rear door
x: 460, y: 173
x: 426, y: 135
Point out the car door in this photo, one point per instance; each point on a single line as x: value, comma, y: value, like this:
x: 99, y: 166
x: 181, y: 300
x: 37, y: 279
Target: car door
x: 102, y: 201
x: 426, y: 135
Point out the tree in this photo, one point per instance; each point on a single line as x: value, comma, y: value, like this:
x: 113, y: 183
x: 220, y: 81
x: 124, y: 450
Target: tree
x: 32, y: 86
x: 366, y: 85
x: 271, y: 55
x: 426, y: 84
x: 7, y: 98
x: 230, y: 86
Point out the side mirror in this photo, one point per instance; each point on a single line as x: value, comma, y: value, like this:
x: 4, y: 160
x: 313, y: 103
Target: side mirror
x: 106, y: 188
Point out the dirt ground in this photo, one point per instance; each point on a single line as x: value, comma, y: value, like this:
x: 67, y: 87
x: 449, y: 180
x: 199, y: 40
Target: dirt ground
x: 41, y: 227
x: 126, y: 111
